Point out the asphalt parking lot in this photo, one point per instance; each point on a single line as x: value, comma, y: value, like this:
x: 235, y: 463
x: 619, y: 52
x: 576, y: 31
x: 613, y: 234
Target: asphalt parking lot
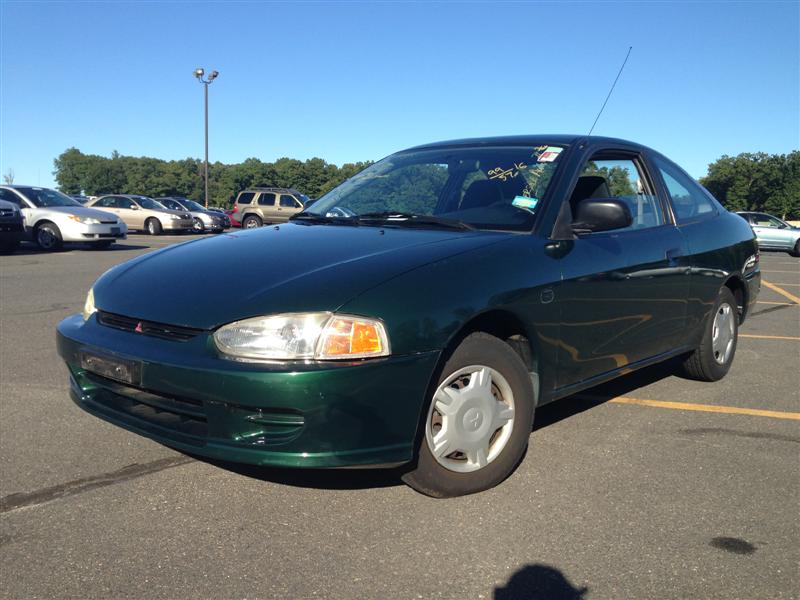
x: 650, y: 487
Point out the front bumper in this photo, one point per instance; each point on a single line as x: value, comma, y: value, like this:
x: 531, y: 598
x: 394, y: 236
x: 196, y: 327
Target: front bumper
x: 304, y: 415
x: 176, y: 224
x: 72, y: 231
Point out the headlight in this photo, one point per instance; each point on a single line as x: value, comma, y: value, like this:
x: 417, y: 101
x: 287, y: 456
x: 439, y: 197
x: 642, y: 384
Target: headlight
x: 303, y: 336
x: 85, y: 220
x: 88, y: 306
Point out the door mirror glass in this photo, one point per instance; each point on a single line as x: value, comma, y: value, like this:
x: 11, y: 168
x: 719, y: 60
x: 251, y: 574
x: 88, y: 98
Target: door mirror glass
x: 601, y: 214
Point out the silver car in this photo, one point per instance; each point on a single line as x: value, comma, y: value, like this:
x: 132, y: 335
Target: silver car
x: 772, y: 233
x: 202, y: 220
x: 145, y: 214
x: 52, y: 218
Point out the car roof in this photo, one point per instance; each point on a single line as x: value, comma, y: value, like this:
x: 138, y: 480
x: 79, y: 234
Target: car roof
x: 271, y: 189
x: 526, y: 140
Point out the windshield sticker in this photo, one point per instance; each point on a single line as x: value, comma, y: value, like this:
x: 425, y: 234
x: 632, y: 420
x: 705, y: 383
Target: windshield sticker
x: 505, y: 174
x: 549, y: 154
x: 525, y: 202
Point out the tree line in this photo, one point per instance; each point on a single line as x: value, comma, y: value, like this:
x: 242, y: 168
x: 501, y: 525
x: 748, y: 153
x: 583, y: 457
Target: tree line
x: 748, y: 181
x: 758, y: 182
x: 93, y: 175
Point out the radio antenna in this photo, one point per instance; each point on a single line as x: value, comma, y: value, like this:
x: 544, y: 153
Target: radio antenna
x: 613, y: 85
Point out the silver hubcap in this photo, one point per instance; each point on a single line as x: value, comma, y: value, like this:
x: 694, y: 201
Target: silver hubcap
x: 722, y: 335
x: 45, y: 237
x: 198, y: 225
x: 251, y: 224
x: 470, y: 419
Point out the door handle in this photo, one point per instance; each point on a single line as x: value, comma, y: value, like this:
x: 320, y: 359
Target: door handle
x: 673, y: 254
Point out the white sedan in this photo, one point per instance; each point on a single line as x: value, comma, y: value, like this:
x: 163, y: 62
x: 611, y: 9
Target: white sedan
x: 52, y: 218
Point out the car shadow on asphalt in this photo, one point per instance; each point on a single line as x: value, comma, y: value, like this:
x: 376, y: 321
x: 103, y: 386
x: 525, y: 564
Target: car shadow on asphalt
x: 539, y: 582
x: 32, y: 250
x: 564, y: 408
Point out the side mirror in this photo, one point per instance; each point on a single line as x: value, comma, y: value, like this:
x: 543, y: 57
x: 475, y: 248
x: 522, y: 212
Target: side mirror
x: 134, y: 207
x: 601, y: 214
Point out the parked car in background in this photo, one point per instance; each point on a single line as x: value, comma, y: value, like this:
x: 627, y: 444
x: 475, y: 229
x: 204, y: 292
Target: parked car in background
x: 12, y: 229
x: 145, y: 214
x: 81, y: 199
x: 52, y: 218
x: 773, y: 233
x: 202, y: 220
x: 421, y: 311
x: 255, y: 207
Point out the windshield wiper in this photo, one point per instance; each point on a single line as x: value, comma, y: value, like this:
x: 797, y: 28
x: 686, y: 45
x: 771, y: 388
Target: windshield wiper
x: 405, y: 218
x: 311, y: 217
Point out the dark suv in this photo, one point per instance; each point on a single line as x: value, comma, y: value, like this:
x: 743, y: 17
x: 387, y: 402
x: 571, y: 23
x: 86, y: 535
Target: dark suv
x: 255, y: 207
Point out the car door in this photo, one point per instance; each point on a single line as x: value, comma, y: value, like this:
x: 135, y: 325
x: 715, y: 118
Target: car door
x: 130, y: 212
x: 266, y: 207
x: 623, y: 292
x: 287, y: 206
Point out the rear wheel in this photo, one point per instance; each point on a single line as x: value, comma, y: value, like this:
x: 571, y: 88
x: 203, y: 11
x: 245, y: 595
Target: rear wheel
x: 252, y: 221
x: 153, y: 226
x: 478, y: 420
x: 713, y: 358
x: 48, y: 236
x: 796, y: 251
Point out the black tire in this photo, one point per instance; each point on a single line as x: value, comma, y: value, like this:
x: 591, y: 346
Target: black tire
x: 705, y: 363
x: 153, y: 226
x: 48, y: 236
x: 102, y: 244
x: 197, y: 226
x: 428, y: 475
x: 796, y: 251
x: 252, y: 222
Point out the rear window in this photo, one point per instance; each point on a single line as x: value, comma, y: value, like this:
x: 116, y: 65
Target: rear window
x: 245, y: 198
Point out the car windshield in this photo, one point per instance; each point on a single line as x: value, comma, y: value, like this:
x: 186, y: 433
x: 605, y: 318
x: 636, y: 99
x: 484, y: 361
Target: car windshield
x: 191, y: 204
x: 149, y: 203
x: 479, y: 187
x: 43, y: 197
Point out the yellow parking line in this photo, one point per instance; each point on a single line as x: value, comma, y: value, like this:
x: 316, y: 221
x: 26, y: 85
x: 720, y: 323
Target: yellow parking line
x: 770, y: 337
x: 781, y: 291
x: 780, y: 303
x: 778, y: 271
x: 728, y: 410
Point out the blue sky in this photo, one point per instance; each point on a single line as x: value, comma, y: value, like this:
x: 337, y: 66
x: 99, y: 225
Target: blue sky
x: 350, y: 81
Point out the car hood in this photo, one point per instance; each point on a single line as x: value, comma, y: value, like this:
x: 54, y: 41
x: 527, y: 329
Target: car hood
x: 80, y: 211
x: 287, y: 268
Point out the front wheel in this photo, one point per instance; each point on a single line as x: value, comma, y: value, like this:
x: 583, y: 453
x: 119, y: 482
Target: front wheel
x: 478, y: 420
x: 153, y: 226
x: 197, y: 225
x: 713, y: 358
x: 48, y: 236
x: 796, y: 251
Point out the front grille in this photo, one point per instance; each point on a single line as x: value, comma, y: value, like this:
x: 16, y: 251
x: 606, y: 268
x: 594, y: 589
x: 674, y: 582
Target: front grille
x: 6, y: 212
x: 180, y: 415
x: 160, y: 330
x: 108, y: 222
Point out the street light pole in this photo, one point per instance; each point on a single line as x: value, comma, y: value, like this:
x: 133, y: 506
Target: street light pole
x: 211, y: 77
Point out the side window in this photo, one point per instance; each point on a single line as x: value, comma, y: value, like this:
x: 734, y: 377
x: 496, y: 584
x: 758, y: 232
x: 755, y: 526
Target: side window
x: 105, y: 203
x: 761, y: 220
x: 689, y: 201
x: 266, y: 199
x: 606, y: 176
x: 245, y: 198
x: 10, y: 196
x: 124, y: 203
x: 288, y: 201
x: 171, y: 204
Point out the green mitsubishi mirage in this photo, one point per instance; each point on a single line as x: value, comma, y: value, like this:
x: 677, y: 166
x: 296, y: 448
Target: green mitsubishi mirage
x: 419, y: 313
